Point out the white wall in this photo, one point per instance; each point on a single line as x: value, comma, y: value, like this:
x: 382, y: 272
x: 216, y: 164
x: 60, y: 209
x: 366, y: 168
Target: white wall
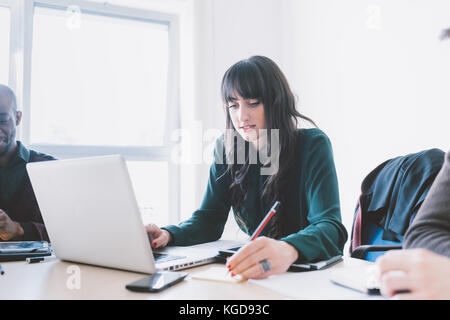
x: 227, y: 31
x: 372, y: 74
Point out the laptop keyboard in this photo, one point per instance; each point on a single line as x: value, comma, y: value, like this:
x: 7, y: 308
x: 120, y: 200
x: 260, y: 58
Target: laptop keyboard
x: 161, y: 257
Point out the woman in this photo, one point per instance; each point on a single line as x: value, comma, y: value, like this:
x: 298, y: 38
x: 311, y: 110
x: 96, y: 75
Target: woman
x: 307, y: 226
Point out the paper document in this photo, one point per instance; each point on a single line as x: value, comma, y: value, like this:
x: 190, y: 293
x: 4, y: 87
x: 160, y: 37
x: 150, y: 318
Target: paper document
x: 362, y: 279
x: 220, y: 274
x: 316, y: 285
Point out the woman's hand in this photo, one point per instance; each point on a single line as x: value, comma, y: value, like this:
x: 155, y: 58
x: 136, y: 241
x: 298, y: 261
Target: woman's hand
x: 158, y: 237
x: 423, y: 274
x: 261, y: 258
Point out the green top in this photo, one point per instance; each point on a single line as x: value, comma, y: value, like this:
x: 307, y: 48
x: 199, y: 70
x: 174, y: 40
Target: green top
x: 311, y: 210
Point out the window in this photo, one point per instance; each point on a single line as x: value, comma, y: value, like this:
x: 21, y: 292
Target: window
x: 5, y: 20
x: 103, y: 81
x: 150, y: 180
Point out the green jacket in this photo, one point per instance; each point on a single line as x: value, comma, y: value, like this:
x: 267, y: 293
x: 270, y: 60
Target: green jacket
x: 312, y: 209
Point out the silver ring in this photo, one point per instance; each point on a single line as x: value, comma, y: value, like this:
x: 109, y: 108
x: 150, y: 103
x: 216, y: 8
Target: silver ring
x: 265, y: 265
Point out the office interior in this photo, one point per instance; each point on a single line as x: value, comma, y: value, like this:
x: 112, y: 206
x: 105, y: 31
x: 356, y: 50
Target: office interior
x: 142, y: 78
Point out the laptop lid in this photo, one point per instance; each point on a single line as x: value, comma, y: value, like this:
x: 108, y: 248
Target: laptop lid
x: 90, y: 212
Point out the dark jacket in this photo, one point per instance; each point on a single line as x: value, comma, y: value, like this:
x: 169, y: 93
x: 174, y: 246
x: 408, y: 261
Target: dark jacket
x: 393, y: 192
x: 23, y: 206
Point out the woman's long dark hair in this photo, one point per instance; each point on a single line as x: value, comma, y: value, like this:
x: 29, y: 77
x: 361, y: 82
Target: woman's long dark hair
x: 260, y: 78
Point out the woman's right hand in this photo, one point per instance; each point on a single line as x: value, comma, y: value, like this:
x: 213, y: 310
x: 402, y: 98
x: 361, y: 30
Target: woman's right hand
x: 158, y: 237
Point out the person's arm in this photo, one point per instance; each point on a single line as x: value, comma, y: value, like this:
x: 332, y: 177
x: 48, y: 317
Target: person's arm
x: 322, y: 239
x: 9, y: 229
x: 34, y: 231
x: 25, y: 211
x: 414, y: 274
x: 431, y: 226
x: 206, y: 223
x: 21, y: 231
x: 325, y: 235
x: 23, y: 220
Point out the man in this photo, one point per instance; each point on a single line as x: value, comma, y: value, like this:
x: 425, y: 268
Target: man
x: 431, y: 228
x: 425, y: 264
x: 20, y: 217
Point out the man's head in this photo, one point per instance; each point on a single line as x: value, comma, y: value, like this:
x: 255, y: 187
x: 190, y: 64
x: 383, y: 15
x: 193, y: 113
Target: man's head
x: 9, y: 120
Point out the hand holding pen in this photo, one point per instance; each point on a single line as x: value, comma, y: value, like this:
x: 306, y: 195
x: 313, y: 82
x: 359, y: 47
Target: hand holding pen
x: 266, y: 219
x: 263, y: 256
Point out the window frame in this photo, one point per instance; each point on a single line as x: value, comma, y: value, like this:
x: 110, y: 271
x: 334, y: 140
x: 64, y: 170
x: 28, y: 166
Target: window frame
x: 22, y: 15
x: 7, y: 4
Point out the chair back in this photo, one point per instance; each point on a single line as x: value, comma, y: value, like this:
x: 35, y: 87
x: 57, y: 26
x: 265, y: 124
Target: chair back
x: 391, y: 195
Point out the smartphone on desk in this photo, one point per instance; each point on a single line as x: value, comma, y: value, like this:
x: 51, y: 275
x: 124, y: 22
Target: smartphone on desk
x: 156, y: 282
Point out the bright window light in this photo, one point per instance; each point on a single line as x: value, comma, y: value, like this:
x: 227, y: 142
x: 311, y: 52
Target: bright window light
x: 150, y: 184
x: 5, y: 18
x: 98, y: 80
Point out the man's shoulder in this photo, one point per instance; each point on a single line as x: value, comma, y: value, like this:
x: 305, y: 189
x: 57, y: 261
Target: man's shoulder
x: 36, y: 156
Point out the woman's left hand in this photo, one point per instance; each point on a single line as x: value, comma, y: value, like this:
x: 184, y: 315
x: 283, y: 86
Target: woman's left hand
x: 261, y: 258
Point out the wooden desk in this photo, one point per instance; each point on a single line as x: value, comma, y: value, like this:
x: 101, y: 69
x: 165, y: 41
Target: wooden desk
x: 55, y: 279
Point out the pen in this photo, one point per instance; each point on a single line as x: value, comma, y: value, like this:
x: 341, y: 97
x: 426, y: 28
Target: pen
x: 266, y: 219
x: 2, y: 272
x: 35, y: 259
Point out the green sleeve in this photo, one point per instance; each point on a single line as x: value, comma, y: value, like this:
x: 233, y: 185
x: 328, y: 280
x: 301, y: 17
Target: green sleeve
x: 207, y: 223
x: 325, y: 236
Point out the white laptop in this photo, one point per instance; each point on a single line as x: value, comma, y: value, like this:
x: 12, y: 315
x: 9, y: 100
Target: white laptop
x: 92, y: 216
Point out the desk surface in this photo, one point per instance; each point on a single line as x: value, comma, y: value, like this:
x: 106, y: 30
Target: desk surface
x: 55, y: 279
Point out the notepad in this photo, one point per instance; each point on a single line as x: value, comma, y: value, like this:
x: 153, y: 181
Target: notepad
x: 219, y: 274
x: 363, y: 279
